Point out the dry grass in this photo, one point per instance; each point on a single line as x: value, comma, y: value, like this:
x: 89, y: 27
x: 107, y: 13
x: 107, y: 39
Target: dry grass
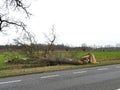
x: 14, y: 72
x: 20, y: 71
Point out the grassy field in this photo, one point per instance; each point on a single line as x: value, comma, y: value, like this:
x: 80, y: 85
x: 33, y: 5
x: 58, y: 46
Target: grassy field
x: 104, y: 58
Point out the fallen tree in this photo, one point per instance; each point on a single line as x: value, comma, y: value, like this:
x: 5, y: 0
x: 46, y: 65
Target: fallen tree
x: 43, y: 61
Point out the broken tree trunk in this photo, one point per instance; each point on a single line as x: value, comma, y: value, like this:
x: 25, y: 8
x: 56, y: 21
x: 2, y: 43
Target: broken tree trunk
x: 89, y: 58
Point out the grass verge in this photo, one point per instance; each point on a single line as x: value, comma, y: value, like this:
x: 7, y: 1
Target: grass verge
x: 16, y: 72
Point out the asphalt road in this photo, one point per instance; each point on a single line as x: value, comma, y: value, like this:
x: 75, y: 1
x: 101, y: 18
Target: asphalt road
x: 96, y: 78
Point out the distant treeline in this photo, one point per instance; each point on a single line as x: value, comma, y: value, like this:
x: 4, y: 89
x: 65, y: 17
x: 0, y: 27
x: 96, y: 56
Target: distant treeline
x: 61, y: 47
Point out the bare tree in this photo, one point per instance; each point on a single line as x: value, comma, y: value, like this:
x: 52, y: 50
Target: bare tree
x: 27, y: 42
x: 50, y: 41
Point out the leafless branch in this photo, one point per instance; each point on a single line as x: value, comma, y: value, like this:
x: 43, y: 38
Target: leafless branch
x: 17, y: 4
x: 6, y: 23
x: 50, y: 41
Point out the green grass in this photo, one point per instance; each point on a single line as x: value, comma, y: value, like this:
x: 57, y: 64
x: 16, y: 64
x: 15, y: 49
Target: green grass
x: 2, y: 60
x: 107, y: 55
x: 9, y: 55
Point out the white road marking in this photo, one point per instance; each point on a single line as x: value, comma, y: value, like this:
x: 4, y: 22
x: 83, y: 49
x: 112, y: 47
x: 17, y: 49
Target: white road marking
x: 102, y: 69
x: 79, y: 72
x: 50, y: 76
x: 10, y: 82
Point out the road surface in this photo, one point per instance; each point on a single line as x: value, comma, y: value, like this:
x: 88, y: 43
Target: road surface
x: 96, y: 78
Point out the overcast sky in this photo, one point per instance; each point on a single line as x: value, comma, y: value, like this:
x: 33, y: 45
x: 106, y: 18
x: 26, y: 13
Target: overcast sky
x: 76, y: 21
